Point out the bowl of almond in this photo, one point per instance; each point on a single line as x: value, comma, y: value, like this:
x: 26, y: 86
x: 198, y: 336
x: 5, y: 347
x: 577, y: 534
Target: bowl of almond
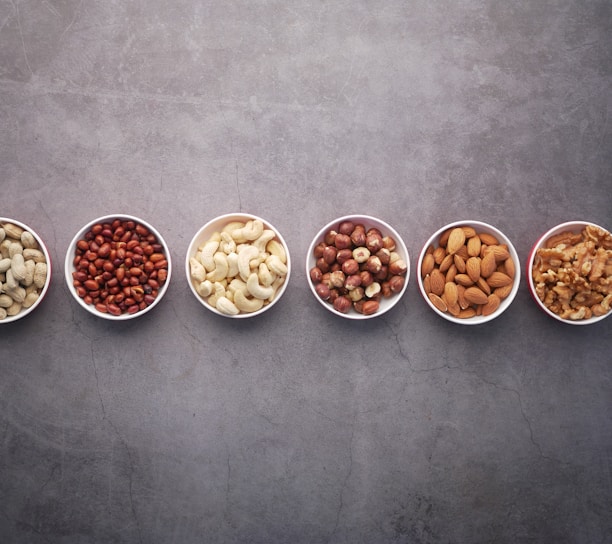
x: 569, y: 272
x: 467, y: 272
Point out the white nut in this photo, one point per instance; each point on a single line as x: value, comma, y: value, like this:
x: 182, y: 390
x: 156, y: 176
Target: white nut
x: 18, y: 294
x: 35, y: 255
x: 28, y: 240
x: 226, y: 306
x: 197, y: 270
x: 221, y: 267
x: 14, y: 308
x: 257, y: 290
x: 251, y: 231
x: 12, y: 231
x: 5, y: 301
x: 276, y: 265
x: 227, y: 244
x: 238, y: 285
x: 265, y: 276
x: 30, y: 299
x: 205, y: 288
x: 206, y: 254
x: 11, y: 281
x: 218, y: 292
x: 245, y: 255
x: 263, y: 240
x: 232, y: 261
x: 245, y: 304
x: 5, y: 264
x: 30, y: 267
x: 40, y: 275
x: 274, y: 247
x: 15, y: 249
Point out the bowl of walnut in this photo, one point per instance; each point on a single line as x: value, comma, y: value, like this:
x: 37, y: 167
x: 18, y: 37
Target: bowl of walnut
x: 358, y: 267
x: 467, y: 272
x: 570, y: 272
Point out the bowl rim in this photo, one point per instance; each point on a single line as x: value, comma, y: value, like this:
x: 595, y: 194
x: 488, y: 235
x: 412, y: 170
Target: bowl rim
x: 505, y: 303
x: 27, y: 311
x: 226, y: 218
x: 69, y: 268
x: 365, y: 218
x: 566, y: 225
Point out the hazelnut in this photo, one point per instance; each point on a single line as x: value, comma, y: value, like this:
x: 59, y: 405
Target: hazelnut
x: 361, y: 254
x: 335, y: 266
x: 358, y: 236
x: 366, y: 277
x: 329, y: 254
x: 374, y: 241
x: 344, y: 255
x: 370, y: 307
x: 372, y: 290
x: 316, y: 274
x: 384, y: 255
x: 373, y: 264
x: 352, y: 282
x: 350, y: 267
x: 398, y: 266
x: 382, y: 273
x: 337, y: 278
x: 396, y: 283
x: 330, y: 237
x: 386, y: 289
x: 356, y: 294
x: 322, y: 265
x: 342, y: 241
x: 346, y: 227
x: 333, y: 295
x: 318, y: 250
x: 342, y: 304
x: 326, y: 279
x: 389, y: 243
x: 323, y: 291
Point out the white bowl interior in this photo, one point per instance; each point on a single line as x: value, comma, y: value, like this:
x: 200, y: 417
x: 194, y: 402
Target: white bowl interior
x: 386, y: 303
x: 43, y: 292
x: 216, y: 225
x: 573, y: 226
x: 69, y: 267
x: 480, y: 227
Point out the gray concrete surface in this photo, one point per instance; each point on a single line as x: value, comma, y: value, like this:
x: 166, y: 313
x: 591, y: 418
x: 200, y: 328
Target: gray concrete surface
x: 298, y: 427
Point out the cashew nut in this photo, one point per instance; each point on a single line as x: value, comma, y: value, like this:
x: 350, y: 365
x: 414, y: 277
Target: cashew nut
x: 205, y: 288
x: 226, y: 306
x: 274, y: 247
x: 232, y: 261
x: 276, y: 265
x: 218, y: 292
x: 265, y: 276
x: 197, y: 270
x: 251, y: 231
x: 205, y: 255
x: 263, y: 240
x: 245, y: 255
x: 238, y: 285
x: 245, y: 304
x: 227, y: 245
x: 275, y: 286
x: 221, y: 267
x: 257, y: 290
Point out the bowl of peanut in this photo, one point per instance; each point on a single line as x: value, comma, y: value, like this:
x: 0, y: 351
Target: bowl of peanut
x: 25, y: 270
x: 118, y: 267
x: 569, y: 272
x: 358, y: 267
x: 467, y: 272
x: 238, y: 265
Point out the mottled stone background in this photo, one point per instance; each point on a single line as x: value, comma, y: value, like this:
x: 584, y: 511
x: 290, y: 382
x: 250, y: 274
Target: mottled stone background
x: 297, y: 426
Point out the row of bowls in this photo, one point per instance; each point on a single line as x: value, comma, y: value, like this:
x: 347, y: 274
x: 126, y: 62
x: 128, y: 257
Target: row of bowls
x: 386, y: 303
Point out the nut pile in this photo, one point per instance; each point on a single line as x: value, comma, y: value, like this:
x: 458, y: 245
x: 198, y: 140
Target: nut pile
x: 468, y: 274
x: 572, y: 273
x: 23, y: 269
x: 356, y: 267
x: 120, y: 267
x: 240, y: 269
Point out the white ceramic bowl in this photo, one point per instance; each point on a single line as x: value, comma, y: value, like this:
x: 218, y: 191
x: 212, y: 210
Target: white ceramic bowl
x: 42, y: 291
x: 385, y: 303
x: 217, y: 225
x: 69, y: 266
x: 480, y: 227
x: 571, y: 226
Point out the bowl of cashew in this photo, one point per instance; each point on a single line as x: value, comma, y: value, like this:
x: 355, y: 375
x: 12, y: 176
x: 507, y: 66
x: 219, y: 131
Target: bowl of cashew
x: 25, y: 270
x: 238, y: 265
x: 569, y: 272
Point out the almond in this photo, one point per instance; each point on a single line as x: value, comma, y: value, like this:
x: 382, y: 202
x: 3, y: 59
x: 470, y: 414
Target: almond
x: 488, y: 239
x: 450, y: 293
x: 427, y: 265
x: 469, y: 232
x: 451, y: 273
x: 475, y: 295
x: 437, y: 302
x: 439, y: 254
x: 446, y: 262
x: 462, y: 252
x: 437, y: 280
x: 473, y: 246
x: 467, y: 313
x: 454, y: 309
x: 492, y: 304
x: 456, y: 239
x: 472, y: 268
x: 498, y: 279
x: 509, y: 267
x: 459, y: 263
x: 427, y: 283
x: 463, y: 279
x: 501, y: 252
x: 503, y: 292
x: 463, y: 304
x: 487, y: 265
x: 483, y: 286
x: 444, y: 237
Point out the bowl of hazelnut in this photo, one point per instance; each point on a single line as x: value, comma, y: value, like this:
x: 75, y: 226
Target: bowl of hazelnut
x: 117, y: 267
x: 25, y: 270
x: 467, y: 272
x: 238, y: 265
x: 358, y: 267
x: 569, y: 272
